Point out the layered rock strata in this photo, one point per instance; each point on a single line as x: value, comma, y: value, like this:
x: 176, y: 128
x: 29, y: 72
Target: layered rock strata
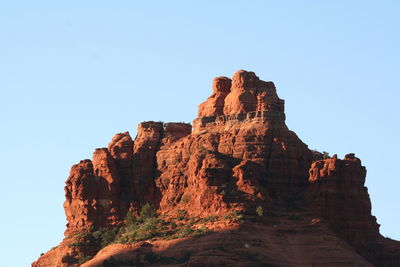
x: 339, y: 196
x: 239, y: 156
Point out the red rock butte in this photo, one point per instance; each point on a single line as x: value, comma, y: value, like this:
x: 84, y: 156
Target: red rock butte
x: 264, y: 197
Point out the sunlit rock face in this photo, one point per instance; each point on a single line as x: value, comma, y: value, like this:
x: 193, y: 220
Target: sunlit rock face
x: 214, y: 105
x: 237, y: 156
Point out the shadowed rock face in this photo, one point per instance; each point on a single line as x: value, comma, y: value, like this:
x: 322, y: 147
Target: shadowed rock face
x: 239, y: 156
x: 339, y: 196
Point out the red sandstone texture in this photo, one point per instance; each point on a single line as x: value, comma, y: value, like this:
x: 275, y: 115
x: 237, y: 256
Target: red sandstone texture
x: 239, y: 156
x: 214, y: 105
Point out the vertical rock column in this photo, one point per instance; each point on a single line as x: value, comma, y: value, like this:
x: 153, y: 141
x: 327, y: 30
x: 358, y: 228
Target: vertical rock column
x: 214, y: 105
x: 341, y: 198
x: 92, y: 193
x: 121, y: 150
x: 146, y: 144
x: 243, y: 95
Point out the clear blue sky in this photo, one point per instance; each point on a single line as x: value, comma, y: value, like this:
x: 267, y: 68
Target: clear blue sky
x: 74, y: 73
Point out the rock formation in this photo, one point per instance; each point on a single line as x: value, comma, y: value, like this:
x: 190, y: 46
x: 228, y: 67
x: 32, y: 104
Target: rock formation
x: 340, y: 197
x: 239, y: 165
x: 214, y: 105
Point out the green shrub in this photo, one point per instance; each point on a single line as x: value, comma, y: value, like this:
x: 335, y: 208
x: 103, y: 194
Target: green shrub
x: 67, y: 258
x: 139, y: 231
x: 185, y: 232
x: 105, y: 236
x: 235, y: 216
x: 130, y: 218
x: 147, y: 211
x: 181, y: 215
x: 211, y: 218
x: 201, y: 231
x: 260, y: 211
x: 83, y: 238
x: 142, y: 228
x: 99, y: 238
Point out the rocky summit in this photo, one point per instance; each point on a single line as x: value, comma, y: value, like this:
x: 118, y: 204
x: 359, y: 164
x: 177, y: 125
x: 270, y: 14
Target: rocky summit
x: 235, y: 188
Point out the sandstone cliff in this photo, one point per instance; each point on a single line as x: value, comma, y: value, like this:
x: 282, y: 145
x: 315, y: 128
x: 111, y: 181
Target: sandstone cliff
x: 255, y: 193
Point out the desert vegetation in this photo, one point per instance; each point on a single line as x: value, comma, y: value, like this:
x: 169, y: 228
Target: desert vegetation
x: 148, y: 225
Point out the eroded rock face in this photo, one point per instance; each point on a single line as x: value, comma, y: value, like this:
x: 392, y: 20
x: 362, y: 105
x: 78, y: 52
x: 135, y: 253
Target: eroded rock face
x: 249, y: 93
x: 176, y: 130
x: 239, y: 156
x: 90, y: 198
x: 121, y: 146
x: 340, y: 197
x: 214, y: 105
x: 147, y: 143
x: 96, y: 188
x: 121, y: 150
x: 235, y: 161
